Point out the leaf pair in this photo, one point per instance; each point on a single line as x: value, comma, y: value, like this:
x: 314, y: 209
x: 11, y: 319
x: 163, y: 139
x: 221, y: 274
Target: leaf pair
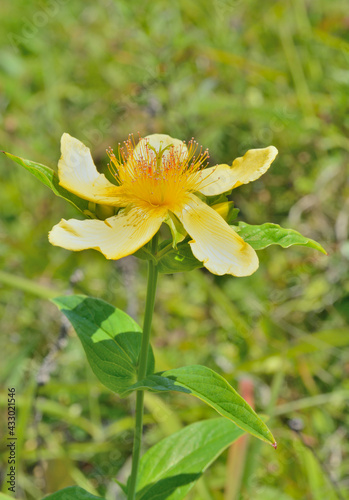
x: 172, y: 466
x: 112, y: 342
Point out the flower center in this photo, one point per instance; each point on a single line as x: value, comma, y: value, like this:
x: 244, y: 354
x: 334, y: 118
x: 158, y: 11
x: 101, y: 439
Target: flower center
x: 159, y: 176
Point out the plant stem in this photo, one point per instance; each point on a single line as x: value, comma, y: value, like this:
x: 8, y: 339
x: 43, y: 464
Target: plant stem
x: 142, y: 369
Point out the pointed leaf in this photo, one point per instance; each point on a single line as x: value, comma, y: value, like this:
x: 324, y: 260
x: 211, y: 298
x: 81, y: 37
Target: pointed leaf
x: 214, y: 390
x: 49, y: 177
x: 170, y: 468
x: 111, y: 339
x: 70, y: 493
x: 263, y: 236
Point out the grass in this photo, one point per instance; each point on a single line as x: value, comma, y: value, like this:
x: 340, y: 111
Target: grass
x: 236, y: 75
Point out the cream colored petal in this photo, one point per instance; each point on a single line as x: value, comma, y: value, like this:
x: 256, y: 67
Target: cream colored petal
x: 215, y: 243
x: 161, y: 141
x: 78, y: 174
x: 115, y: 237
x: 222, y: 178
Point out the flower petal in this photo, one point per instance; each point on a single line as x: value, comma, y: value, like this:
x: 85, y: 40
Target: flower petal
x: 115, y: 237
x: 215, y: 243
x: 78, y: 174
x: 222, y: 178
x: 161, y: 141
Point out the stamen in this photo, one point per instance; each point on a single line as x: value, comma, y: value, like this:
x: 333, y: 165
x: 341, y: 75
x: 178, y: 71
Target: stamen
x: 157, y: 177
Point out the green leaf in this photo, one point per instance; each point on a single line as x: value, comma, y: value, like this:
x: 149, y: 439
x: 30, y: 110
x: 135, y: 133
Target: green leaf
x: 70, y: 493
x: 263, y: 236
x: 214, y: 390
x: 170, y: 468
x: 111, y: 339
x: 49, y: 177
x: 178, y: 260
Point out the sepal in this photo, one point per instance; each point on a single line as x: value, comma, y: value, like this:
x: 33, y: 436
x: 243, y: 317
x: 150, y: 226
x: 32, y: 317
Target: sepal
x: 177, y: 230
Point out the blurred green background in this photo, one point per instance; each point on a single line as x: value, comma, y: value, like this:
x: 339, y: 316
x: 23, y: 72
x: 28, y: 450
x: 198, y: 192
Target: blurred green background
x: 235, y: 75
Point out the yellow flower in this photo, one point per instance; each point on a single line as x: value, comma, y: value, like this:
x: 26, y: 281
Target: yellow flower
x: 156, y: 178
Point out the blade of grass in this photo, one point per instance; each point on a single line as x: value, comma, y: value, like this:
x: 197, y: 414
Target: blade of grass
x: 238, y: 451
x: 254, y: 451
x: 333, y: 397
x: 27, y: 285
x: 296, y: 68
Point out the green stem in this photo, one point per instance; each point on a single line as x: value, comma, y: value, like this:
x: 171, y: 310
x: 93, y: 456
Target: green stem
x: 142, y: 369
